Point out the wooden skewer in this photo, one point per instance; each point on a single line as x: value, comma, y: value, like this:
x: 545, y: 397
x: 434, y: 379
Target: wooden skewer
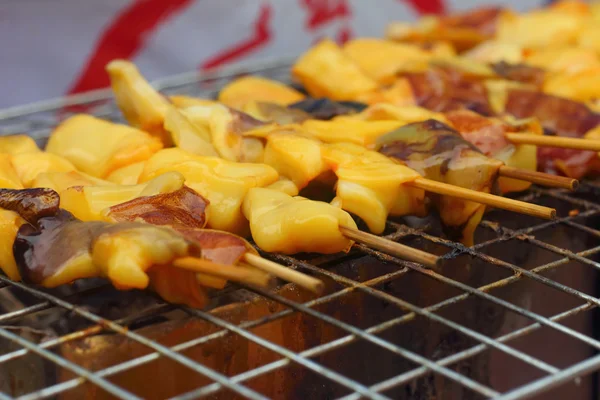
x: 390, y: 247
x: 554, y: 141
x: 287, y: 274
x: 210, y: 281
x: 229, y: 272
x: 539, y: 178
x: 484, y: 198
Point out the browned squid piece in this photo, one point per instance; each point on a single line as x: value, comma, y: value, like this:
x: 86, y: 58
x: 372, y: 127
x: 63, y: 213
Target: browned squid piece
x: 183, y: 207
x: 30, y: 204
x: 445, y: 88
x: 439, y: 153
x: 463, y: 30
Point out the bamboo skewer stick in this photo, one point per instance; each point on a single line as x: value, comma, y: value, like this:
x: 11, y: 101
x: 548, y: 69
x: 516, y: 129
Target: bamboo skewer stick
x: 287, y: 274
x: 554, y: 141
x: 539, y: 178
x: 484, y: 198
x: 390, y: 247
x: 228, y: 272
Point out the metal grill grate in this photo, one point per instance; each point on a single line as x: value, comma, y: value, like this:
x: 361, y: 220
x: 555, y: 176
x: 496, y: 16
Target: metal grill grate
x: 511, y: 317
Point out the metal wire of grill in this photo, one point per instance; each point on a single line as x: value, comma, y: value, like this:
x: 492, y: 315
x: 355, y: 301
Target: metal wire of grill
x: 38, y: 120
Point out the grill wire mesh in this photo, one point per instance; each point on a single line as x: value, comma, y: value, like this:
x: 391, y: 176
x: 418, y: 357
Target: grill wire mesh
x: 509, y: 318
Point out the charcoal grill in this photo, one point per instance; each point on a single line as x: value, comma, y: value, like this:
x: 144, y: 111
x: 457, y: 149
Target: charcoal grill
x: 512, y: 317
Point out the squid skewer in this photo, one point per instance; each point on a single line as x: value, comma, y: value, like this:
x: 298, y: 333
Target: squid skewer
x: 369, y: 184
x: 331, y: 229
x: 218, y: 250
x: 487, y: 134
x: 154, y: 206
x: 327, y: 109
x: 180, y: 210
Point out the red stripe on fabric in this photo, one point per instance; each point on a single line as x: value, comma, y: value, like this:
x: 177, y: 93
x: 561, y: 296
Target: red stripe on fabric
x: 427, y: 6
x: 343, y: 35
x: 262, y: 34
x: 124, y: 37
x: 322, y: 12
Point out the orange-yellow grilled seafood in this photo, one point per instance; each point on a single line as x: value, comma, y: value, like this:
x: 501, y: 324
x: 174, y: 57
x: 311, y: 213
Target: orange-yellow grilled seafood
x: 369, y: 184
x: 286, y: 224
x: 98, y: 147
x: 441, y: 154
x: 223, y: 183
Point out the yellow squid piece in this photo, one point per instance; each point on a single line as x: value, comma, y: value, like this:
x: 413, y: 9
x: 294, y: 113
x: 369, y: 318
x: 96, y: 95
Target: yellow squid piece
x: 17, y: 144
x: 60, y: 181
x: 383, y: 59
x: 363, y: 133
x: 29, y: 165
x: 9, y: 225
x: 326, y: 71
x: 295, y: 157
x: 255, y: 88
x: 284, y: 185
x: 226, y: 127
x: 98, y: 147
x: 223, y: 183
x: 540, y: 28
x: 128, y: 175
x: 9, y: 179
x: 125, y: 256
x: 140, y: 103
x: 88, y: 203
x: 286, y: 224
x: 187, y: 135
x: 370, y: 185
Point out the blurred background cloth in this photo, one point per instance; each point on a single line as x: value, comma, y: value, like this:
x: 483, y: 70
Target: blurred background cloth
x: 53, y: 48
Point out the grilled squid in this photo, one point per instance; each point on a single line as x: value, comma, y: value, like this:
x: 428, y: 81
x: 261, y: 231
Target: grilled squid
x: 439, y: 153
x: 367, y: 184
x: 562, y: 117
x: 224, y: 183
x: 98, y: 147
x: 286, y: 224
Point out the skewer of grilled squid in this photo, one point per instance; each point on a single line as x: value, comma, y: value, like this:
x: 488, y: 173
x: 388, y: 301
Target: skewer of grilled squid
x: 388, y: 117
x: 166, y: 195
x: 185, y: 219
x: 380, y: 119
x: 372, y: 185
x: 488, y: 135
x: 330, y: 229
x: 415, y: 180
